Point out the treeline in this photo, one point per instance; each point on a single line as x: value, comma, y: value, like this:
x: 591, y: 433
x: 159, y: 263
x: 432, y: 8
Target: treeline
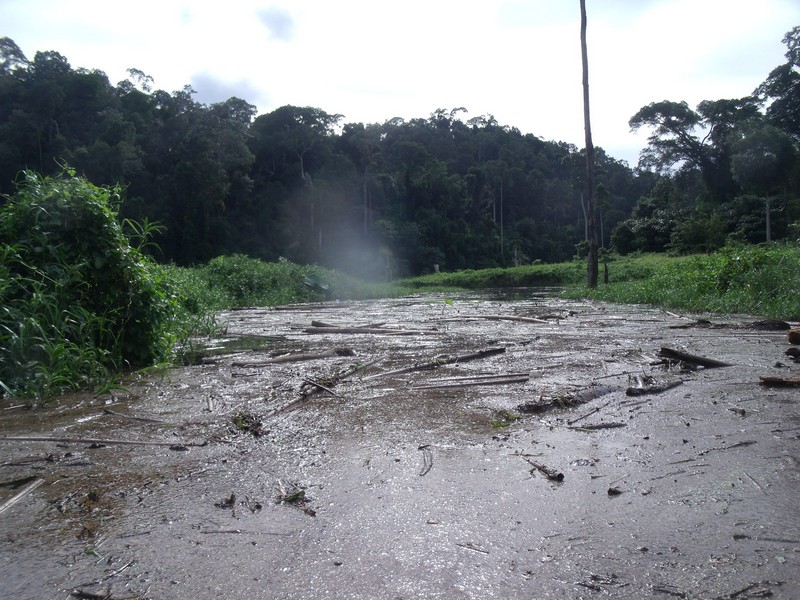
x: 397, y: 198
x: 382, y: 199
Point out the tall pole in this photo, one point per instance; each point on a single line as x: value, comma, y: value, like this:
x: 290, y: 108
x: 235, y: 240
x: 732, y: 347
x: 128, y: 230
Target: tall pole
x: 592, y: 218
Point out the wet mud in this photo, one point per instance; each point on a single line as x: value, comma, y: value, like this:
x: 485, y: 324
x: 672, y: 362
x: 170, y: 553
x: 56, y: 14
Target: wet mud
x: 481, y: 445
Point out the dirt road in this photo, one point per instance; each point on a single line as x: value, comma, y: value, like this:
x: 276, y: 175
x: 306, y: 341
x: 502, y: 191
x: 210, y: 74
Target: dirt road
x: 558, y: 457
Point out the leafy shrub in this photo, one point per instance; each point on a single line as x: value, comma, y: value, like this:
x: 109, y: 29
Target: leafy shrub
x: 78, y: 300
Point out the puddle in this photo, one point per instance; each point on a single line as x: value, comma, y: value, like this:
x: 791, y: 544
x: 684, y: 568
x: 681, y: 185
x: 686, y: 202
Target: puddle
x: 172, y: 488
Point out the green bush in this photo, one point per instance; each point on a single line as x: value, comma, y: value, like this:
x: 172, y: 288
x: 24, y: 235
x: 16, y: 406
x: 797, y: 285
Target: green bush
x: 78, y: 300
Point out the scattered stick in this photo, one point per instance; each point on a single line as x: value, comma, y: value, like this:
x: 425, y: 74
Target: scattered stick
x: 597, y: 426
x: 295, y: 358
x: 98, y: 441
x: 708, y: 363
x: 108, y: 411
x: 322, y: 387
x: 551, y: 474
x: 732, y: 446
x: 589, y: 414
x: 336, y: 378
x: 513, y: 318
x: 473, y: 547
x: 21, y: 494
x: 502, y: 380
x: 435, y: 364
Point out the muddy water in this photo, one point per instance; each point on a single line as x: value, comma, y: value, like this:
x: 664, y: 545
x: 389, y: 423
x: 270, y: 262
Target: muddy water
x: 420, y: 493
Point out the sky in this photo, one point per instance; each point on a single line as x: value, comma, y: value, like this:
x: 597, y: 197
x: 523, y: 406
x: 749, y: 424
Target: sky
x: 374, y: 60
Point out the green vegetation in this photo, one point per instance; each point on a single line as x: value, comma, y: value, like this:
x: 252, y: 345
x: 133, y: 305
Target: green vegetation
x: 754, y: 280
x: 78, y: 301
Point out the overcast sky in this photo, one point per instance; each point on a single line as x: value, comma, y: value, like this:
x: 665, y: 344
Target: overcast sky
x: 372, y: 60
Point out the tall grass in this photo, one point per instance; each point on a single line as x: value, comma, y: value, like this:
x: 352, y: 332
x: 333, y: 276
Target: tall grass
x: 755, y: 280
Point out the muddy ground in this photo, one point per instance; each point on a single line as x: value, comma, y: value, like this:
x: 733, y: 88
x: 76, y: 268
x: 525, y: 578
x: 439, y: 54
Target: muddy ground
x: 527, y: 472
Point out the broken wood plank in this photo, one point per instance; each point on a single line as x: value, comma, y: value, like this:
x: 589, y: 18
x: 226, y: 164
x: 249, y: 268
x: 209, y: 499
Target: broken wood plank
x: 21, y: 494
x: 708, y: 363
x: 294, y: 358
x: 98, y: 441
x: 435, y: 364
x: 774, y: 381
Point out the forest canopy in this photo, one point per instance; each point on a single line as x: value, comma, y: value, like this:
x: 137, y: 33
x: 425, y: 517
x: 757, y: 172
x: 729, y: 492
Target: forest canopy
x: 396, y: 198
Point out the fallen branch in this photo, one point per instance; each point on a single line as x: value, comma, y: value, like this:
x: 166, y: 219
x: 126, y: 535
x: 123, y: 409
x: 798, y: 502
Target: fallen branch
x: 435, y: 364
x: 495, y: 381
x: 371, y: 330
x: 512, y: 318
x: 21, y: 494
x: 708, y: 363
x: 295, y: 358
x: 597, y: 426
x: 108, y: 411
x: 551, y: 474
x: 98, y: 441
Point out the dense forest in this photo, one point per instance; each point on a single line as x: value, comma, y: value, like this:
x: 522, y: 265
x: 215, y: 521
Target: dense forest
x: 392, y: 199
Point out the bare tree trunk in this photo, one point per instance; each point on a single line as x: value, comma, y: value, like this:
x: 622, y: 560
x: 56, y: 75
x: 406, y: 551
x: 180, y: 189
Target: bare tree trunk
x: 592, y: 218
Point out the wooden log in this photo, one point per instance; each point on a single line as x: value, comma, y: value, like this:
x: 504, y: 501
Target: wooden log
x: 98, y: 441
x: 708, y: 363
x: 294, y: 358
x: 479, y: 382
x: 368, y: 330
x: 367, y: 326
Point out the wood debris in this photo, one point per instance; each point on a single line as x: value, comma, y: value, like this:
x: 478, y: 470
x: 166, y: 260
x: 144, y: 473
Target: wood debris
x: 478, y: 381
x: 37, y: 481
x: 439, y: 362
x: 295, y: 358
x: 776, y: 381
x: 708, y: 363
x: 95, y: 441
